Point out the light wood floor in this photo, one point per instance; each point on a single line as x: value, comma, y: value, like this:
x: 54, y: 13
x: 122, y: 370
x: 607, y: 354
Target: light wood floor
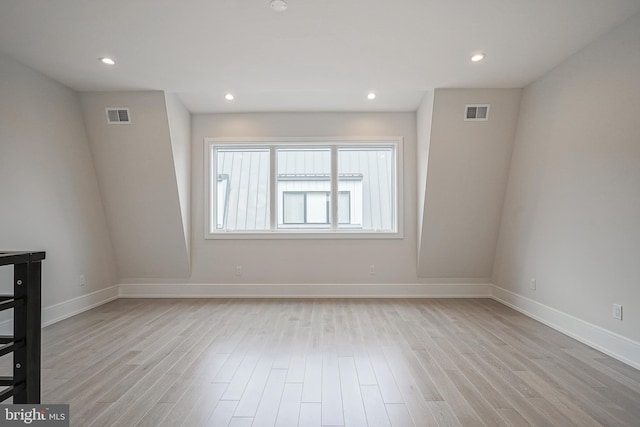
x: 328, y: 362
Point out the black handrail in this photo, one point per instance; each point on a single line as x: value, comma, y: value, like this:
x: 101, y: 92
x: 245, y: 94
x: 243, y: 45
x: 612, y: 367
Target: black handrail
x: 24, y: 385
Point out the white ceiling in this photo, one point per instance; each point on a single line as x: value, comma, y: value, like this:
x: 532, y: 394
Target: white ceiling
x: 319, y: 55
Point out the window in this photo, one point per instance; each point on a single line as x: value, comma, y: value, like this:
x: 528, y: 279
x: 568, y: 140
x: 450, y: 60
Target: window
x: 242, y: 190
x: 305, y: 187
x: 223, y: 200
x: 369, y: 174
x: 344, y: 207
x: 306, y: 207
x: 313, y: 207
x: 304, y: 179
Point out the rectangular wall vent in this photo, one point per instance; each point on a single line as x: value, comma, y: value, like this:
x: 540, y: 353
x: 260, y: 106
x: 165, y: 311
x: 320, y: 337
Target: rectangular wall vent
x: 476, y: 112
x: 118, y: 116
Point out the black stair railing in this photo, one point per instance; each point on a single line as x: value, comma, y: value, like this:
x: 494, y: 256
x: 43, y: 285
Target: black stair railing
x: 24, y: 344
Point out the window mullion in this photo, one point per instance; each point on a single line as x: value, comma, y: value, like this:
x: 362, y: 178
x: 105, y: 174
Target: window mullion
x: 273, y: 191
x: 213, y: 189
x: 334, y: 187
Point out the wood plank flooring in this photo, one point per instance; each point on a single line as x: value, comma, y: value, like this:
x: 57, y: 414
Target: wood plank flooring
x: 328, y: 362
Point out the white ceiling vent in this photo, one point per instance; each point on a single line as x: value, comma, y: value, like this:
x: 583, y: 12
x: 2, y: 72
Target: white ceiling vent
x: 476, y: 112
x: 118, y: 116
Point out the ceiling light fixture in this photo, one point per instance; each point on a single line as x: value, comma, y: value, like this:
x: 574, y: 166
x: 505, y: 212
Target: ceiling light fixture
x: 229, y: 96
x: 371, y: 96
x: 107, y: 60
x: 477, y: 57
x: 278, y: 5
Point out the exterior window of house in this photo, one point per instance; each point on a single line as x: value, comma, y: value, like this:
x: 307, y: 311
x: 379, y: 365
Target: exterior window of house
x: 304, y: 188
x: 344, y: 207
x: 306, y: 207
x: 313, y: 207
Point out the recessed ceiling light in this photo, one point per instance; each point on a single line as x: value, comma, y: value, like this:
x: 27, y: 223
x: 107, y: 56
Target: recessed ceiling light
x: 477, y: 57
x: 371, y: 95
x: 229, y: 96
x: 107, y: 60
x: 279, y: 5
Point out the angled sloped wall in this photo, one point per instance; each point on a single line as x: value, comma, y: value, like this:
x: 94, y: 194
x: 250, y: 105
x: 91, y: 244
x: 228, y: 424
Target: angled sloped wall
x: 466, y: 177
x: 137, y: 177
x: 180, y: 132
x: 424, y: 121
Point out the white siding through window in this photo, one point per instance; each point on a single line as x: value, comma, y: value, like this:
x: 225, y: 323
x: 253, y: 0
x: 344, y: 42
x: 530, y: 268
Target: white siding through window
x: 247, y: 195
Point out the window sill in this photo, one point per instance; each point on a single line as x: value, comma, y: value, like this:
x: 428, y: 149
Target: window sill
x: 305, y: 235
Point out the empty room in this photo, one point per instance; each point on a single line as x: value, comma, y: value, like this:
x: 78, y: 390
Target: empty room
x: 319, y: 213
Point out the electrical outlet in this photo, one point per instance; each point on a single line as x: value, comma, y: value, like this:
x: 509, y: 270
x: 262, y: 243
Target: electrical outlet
x: 533, y: 284
x: 372, y: 269
x: 82, y: 281
x: 617, y: 311
x: 238, y: 270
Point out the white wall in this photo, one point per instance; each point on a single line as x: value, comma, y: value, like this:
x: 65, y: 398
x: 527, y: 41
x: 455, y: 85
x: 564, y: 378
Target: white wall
x: 139, y: 186
x: 305, y: 261
x: 572, y: 209
x: 49, y: 197
x: 180, y: 132
x: 466, y: 179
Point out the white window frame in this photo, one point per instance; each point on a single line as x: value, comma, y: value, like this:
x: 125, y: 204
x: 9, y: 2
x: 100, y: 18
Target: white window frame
x: 334, y: 232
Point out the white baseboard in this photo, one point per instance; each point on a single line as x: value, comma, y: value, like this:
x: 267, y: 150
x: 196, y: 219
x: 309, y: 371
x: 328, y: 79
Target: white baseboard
x: 610, y: 343
x: 57, y: 312
x: 189, y: 290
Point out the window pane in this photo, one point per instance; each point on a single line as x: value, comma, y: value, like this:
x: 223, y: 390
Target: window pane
x: 344, y: 207
x: 368, y: 174
x: 317, y: 207
x: 245, y: 202
x: 293, y: 210
x: 222, y: 198
x: 307, y: 171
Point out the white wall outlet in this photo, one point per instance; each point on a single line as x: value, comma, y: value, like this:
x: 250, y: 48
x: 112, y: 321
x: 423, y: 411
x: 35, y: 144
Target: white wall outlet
x: 533, y: 284
x: 617, y: 311
x: 82, y: 280
x: 372, y: 269
x: 238, y: 270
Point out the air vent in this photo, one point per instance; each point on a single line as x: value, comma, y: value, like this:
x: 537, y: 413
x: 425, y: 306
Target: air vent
x: 118, y: 116
x: 476, y: 112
